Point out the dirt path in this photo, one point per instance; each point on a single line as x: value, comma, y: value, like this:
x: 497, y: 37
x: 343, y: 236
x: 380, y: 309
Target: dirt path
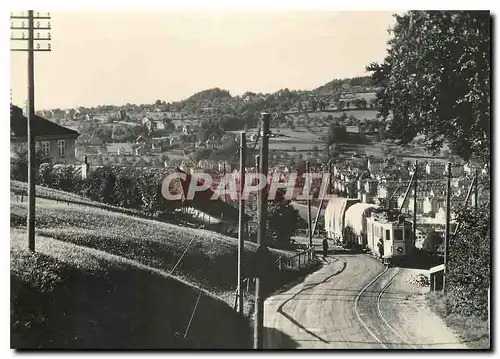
x: 353, y: 303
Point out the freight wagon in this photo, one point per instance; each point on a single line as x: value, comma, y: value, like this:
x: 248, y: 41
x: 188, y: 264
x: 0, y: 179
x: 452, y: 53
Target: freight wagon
x: 361, y: 225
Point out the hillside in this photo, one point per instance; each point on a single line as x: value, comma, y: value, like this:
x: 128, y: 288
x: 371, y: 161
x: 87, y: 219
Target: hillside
x: 207, y: 263
x: 71, y: 297
x: 218, y: 101
x: 122, y: 263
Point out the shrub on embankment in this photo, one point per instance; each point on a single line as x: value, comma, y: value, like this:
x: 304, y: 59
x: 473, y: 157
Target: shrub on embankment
x: 469, y: 257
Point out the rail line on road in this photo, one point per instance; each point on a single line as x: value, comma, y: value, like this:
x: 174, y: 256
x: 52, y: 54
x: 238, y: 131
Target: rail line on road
x: 356, y: 307
x: 379, y: 311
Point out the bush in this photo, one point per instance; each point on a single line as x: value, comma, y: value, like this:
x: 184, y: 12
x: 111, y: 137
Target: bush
x: 469, y: 258
x: 64, y: 178
x: 19, y: 163
x: 44, y: 175
x: 99, y: 185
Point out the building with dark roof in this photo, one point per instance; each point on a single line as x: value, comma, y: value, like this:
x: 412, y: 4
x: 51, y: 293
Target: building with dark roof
x: 57, y: 142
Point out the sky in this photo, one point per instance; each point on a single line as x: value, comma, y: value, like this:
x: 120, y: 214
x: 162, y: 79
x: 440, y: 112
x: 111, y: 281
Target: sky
x: 118, y: 57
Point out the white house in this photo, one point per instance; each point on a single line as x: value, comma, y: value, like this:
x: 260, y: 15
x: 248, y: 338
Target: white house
x: 420, y: 204
x: 433, y: 204
x: 375, y: 166
x: 457, y: 170
x: 227, y: 167
x: 435, y: 168
x: 403, y: 206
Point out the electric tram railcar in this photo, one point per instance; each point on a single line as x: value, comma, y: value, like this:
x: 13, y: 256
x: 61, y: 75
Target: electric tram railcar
x: 364, y: 225
x: 395, y: 234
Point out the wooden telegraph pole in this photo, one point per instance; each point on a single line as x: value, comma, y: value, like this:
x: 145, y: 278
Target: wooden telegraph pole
x: 241, y: 238
x: 27, y: 34
x: 476, y: 192
x: 330, y: 171
x: 309, y: 224
x: 261, y: 238
x: 415, y: 189
x: 447, y: 230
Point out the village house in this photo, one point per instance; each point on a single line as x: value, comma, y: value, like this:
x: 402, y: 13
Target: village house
x: 433, y: 204
x: 186, y: 129
x: 207, y: 164
x: 386, y: 189
x: 401, y: 204
x: 175, y: 141
x: 55, y: 141
x: 224, y: 166
x: 457, y: 170
x: 420, y: 204
x: 435, y: 168
x: 152, y: 125
x: 371, y: 188
x: 119, y: 149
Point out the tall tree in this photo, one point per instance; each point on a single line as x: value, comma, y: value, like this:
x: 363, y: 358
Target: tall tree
x: 435, y: 81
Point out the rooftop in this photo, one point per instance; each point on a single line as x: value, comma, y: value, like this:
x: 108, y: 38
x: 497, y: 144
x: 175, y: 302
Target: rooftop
x: 41, y: 126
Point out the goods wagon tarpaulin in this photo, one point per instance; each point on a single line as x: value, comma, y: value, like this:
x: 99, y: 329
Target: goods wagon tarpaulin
x: 355, y: 216
x: 335, y: 215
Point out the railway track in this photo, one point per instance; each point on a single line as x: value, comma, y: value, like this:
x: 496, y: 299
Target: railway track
x: 374, y: 320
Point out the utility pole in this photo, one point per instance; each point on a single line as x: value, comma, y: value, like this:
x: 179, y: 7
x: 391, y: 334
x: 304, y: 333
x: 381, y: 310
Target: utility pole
x: 259, y: 283
x: 257, y: 168
x: 476, y: 192
x: 27, y: 34
x: 447, y: 230
x: 330, y: 167
x: 309, y: 224
x: 323, y: 198
x: 241, y: 238
x: 415, y: 189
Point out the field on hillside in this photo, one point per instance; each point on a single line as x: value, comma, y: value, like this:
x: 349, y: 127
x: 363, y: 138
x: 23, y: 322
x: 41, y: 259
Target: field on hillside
x: 152, y: 243
x: 70, y: 297
x: 359, y: 114
x: 300, y: 139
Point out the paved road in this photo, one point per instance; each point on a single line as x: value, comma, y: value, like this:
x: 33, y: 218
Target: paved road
x: 353, y: 302
x: 319, y: 312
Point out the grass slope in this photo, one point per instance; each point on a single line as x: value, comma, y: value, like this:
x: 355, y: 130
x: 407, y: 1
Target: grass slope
x: 62, y: 295
x: 65, y: 296
x: 210, y: 262
x: 474, y: 331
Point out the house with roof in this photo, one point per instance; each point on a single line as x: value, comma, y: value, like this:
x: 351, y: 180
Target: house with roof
x: 152, y: 125
x: 420, y: 204
x: 119, y: 149
x: 435, y: 168
x: 56, y: 141
x: 433, y: 204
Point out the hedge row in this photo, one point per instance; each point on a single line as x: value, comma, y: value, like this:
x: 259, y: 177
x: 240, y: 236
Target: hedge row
x: 122, y: 187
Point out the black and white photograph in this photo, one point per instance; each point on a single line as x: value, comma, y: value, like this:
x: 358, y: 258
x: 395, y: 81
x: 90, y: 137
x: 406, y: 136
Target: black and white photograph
x: 249, y: 179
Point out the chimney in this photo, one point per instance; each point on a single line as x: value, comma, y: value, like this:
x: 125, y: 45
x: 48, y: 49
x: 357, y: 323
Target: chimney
x: 85, y: 167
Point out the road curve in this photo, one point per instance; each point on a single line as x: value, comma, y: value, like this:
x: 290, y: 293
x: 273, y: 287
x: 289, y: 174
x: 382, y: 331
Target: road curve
x: 354, y: 302
x: 319, y: 313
